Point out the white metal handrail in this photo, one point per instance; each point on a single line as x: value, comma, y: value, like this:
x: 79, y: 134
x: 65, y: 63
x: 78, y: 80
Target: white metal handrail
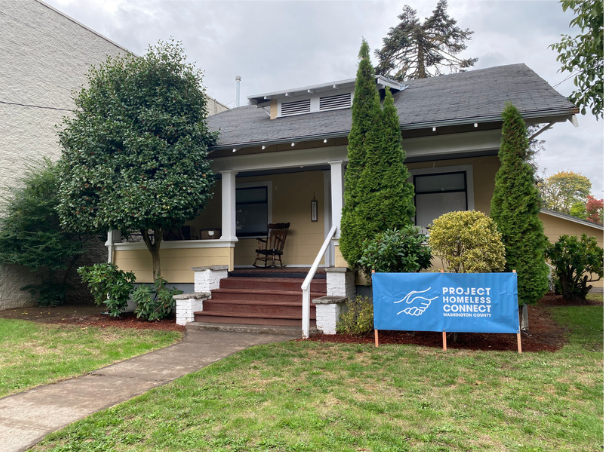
x: 307, y: 283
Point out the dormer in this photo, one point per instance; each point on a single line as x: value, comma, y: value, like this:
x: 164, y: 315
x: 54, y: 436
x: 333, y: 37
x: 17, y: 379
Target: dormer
x: 316, y: 98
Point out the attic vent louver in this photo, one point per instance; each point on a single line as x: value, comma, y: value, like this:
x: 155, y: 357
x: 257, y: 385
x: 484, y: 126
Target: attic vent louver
x: 296, y: 107
x: 335, y: 102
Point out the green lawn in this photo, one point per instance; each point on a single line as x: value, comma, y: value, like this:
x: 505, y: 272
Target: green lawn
x: 343, y: 397
x: 32, y: 354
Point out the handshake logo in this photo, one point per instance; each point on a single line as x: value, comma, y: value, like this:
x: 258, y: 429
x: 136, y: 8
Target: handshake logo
x: 416, y: 304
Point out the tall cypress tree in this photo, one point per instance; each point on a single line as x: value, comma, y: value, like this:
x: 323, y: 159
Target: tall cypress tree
x: 377, y: 196
x: 515, y: 209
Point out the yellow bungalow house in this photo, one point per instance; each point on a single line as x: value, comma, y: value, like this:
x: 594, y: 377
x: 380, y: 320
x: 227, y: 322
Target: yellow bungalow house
x: 282, y: 158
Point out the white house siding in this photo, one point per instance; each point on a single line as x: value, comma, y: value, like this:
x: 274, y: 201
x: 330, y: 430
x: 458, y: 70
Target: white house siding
x: 45, y: 55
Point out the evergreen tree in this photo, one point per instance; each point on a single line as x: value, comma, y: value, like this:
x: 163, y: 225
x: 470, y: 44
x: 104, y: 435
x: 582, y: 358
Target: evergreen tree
x: 415, y: 50
x: 377, y: 196
x: 515, y: 207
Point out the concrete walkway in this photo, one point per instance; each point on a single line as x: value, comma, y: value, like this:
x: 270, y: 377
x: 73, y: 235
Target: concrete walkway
x: 25, y: 418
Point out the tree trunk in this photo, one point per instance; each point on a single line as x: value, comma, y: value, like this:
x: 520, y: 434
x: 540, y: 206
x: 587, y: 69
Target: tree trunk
x: 154, y: 249
x: 523, y: 311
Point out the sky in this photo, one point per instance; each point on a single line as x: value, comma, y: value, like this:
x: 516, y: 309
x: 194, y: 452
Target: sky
x: 276, y: 45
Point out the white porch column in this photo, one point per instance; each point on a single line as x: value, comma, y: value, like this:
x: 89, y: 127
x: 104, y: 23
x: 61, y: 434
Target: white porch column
x: 336, y: 193
x: 336, y: 204
x: 228, y: 205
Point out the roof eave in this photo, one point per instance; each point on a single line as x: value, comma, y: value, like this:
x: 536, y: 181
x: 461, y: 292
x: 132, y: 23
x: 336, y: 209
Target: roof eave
x: 555, y: 116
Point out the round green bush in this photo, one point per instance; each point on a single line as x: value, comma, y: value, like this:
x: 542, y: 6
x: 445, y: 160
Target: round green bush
x: 467, y: 242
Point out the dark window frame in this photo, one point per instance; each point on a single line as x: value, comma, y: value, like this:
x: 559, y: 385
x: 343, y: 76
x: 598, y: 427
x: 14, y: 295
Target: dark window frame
x: 425, y: 175
x: 266, y: 203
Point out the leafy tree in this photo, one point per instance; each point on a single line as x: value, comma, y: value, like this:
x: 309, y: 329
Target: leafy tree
x: 134, y: 153
x: 467, y: 242
x: 31, y: 235
x: 415, y: 50
x: 377, y: 196
x: 562, y: 190
x: 577, y: 262
x: 583, y: 54
x: 515, y: 207
x: 578, y: 210
x: 594, y: 209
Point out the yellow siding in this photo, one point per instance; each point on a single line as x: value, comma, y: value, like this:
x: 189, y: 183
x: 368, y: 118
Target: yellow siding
x: 556, y: 227
x: 339, y: 260
x: 176, y: 263
x: 273, y: 109
x: 291, y: 202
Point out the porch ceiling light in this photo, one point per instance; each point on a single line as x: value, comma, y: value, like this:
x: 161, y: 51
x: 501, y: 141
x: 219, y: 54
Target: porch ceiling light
x: 325, y: 141
x: 433, y: 129
x: 475, y: 124
x: 292, y: 144
x: 263, y: 147
x: 234, y: 150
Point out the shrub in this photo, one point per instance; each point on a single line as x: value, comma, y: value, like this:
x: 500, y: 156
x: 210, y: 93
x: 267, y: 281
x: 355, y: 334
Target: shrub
x: 467, y: 241
x: 576, y: 262
x: 358, y: 319
x: 108, y: 285
x: 401, y: 250
x: 157, y: 304
x: 31, y: 235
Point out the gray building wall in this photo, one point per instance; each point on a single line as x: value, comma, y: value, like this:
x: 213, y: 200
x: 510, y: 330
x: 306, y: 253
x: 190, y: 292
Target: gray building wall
x: 44, y: 56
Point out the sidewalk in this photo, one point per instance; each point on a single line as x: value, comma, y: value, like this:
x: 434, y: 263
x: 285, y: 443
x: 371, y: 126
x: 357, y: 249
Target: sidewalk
x: 25, y: 418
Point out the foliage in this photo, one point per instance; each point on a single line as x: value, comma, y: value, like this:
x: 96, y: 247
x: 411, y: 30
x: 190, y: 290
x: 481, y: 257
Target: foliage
x: 515, y: 209
x: 31, y: 235
x: 395, y: 250
x: 562, y: 190
x: 583, y: 54
x: 594, y: 209
x: 412, y: 50
x: 108, y: 285
x: 157, y: 304
x: 467, y: 242
x: 135, y: 151
x: 358, y: 317
x: 377, y: 194
x: 577, y: 262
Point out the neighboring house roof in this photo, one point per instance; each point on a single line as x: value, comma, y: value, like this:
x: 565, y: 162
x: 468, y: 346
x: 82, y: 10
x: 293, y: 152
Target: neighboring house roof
x: 572, y: 218
x: 462, y: 98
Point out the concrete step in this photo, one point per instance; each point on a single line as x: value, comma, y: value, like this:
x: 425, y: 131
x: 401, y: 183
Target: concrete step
x: 291, y: 331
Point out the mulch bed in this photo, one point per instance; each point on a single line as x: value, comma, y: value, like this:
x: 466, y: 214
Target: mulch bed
x: 127, y: 321
x: 545, y: 334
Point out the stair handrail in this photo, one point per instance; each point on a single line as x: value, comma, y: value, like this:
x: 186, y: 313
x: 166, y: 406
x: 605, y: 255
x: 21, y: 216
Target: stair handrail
x: 307, y: 282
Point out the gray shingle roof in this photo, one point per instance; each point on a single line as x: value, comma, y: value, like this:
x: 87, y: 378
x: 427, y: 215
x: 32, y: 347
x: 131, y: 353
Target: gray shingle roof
x: 466, y: 97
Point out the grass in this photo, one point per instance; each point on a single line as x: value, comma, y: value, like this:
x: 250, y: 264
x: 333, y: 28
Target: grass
x: 32, y: 354
x: 308, y: 396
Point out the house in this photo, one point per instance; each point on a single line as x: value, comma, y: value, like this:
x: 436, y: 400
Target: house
x: 45, y: 56
x: 285, y: 154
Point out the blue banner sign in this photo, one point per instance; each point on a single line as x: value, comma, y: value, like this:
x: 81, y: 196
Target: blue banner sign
x: 483, y: 303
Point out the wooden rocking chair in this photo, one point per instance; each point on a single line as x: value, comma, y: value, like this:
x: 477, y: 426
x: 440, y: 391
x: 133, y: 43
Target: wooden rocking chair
x: 271, y: 248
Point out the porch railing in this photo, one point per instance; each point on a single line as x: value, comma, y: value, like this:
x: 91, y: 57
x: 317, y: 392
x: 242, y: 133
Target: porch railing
x: 307, y: 283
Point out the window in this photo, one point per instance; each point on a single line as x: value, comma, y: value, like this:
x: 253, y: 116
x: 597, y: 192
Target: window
x: 252, y: 209
x: 439, y: 193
